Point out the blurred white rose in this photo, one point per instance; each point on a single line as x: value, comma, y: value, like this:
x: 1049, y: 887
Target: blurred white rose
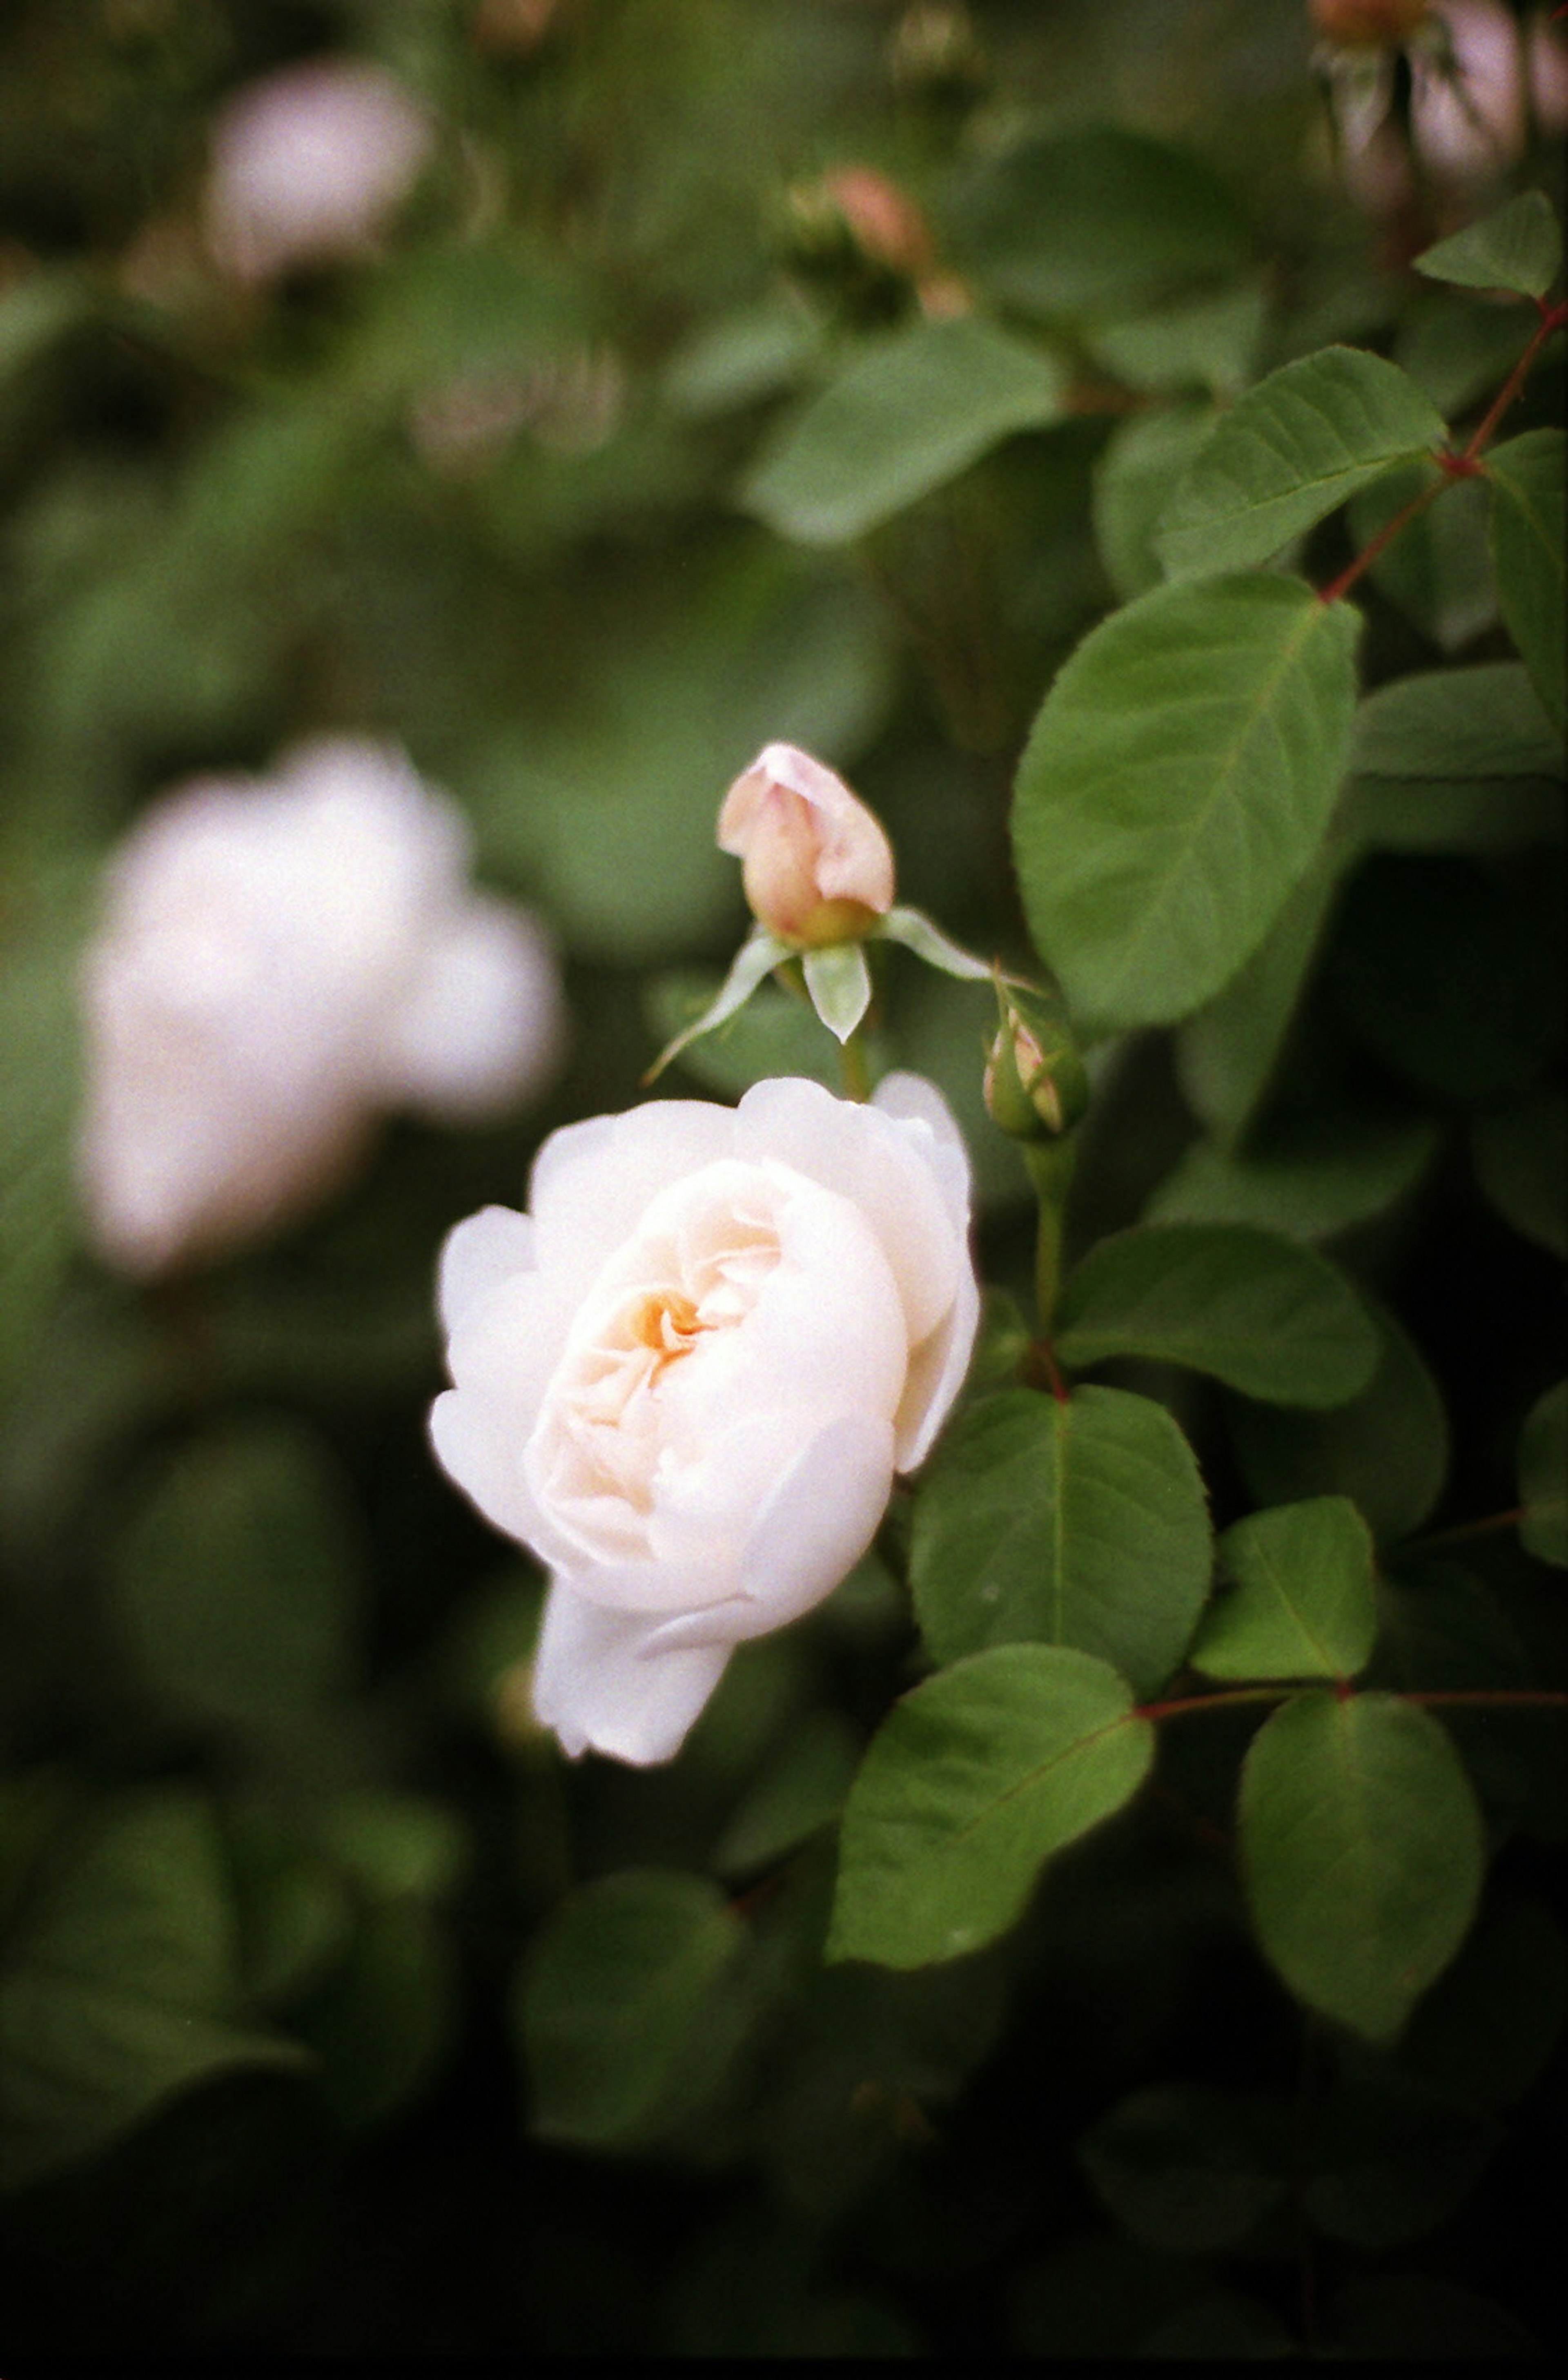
x: 308, y: 164
x: 277, y: 961
x: 688, y: 1376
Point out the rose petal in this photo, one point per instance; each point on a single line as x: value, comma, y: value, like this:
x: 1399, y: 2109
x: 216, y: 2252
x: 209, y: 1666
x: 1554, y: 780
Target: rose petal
x: 601, y: 1684
x: 476, y: 1257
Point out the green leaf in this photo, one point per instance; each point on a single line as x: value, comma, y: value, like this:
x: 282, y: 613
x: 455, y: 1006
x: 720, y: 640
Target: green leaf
x: 1309, y: 1184
x: 1482, y: 725
x: 839, y: 982
x: 382, y: 2021
x: 237, y: 1584
x: 1387, y: 1450
x: 1519, y: 1154
x: 801, y: 1792
x: 1528, y: 482
x: 1439, y: 568
x: 1289, y: 452
x: 912, y: 410
x: 1228, y: 1054
x: 1253, y: 1308
x: 120, y: 1989
x: 615, y: 2002
x: 1412, y: 2318
x: 1543, y: 1477
x: 917, y: 933
x: 1177, y: 784
x: 972, y: 1782
x: 1094, y: 219
x: 1363, y: 1852
x: 1081, y: 1524
x: 1137, y: 467
x: 1386, y: 2158
x: 1208, y: 343
x: 773, y: 1033
x: 1181, y: 2166
x: 1299, y: 1600
x: 1519, y: 248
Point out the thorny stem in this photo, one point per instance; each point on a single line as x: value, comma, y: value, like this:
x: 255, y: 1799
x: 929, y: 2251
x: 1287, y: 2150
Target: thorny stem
x: 1461, y: 466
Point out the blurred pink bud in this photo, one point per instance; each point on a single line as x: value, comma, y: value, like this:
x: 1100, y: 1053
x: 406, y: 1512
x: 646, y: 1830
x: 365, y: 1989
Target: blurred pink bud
x: 277, y: 961
x: 308, y: 164
x: 1468, y: 115
x: 1368, y: 24
x: 816, y: 866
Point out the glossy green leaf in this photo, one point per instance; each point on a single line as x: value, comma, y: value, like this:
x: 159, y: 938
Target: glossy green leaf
x: 1140, y: 463
x: 615, y: 2000
x: 973, y: 1781
x: 119, y: 1988
x: 236, y: 1581
x: 1177, y: 784
x: 1093, y: 219
x: 1362, y: 1849
x: 1519, y: 1154
x: 1543, y: 1477
x: 909, y: 412
x: 1519, y: 248
x: 1528, y: 498
x: 1081, y: 1524
x: 1253, y: 1308
x: 1310, y: 1185
x: 1386, y: 1449
x: 1295, y: 1600
x: 1289, y: 452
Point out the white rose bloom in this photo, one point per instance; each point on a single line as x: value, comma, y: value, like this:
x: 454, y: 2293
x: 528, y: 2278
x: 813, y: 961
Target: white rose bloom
x: 308, y: 164
x: 688, y: 1376
x: 277, y: 961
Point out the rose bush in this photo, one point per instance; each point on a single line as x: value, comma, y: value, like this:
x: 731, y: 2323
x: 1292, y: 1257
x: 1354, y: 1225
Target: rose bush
x: 686, y: 1376
x: 278, y: 960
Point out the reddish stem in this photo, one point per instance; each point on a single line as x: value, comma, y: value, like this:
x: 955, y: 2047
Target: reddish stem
x: 1461, y: 466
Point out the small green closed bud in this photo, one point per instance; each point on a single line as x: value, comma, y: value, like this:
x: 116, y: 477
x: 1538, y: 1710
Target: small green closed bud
x: 1034, y: 1085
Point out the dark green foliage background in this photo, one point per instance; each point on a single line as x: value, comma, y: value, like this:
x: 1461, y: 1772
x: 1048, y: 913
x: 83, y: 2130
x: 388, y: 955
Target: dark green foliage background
x: 337, y: 2015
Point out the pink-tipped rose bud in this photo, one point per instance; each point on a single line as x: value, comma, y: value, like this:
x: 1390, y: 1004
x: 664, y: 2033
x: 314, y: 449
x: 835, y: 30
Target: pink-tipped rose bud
x: 816, y: 864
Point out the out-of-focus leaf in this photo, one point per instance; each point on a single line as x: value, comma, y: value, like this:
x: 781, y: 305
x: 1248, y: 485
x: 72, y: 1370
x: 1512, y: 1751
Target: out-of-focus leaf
x: 1528, y: 483
x: 773, y: 1034
x: 800, y: 1790
x: 1177, y: 784
x: 1228, y: 1053
x: 1487, y: 2029
x: 1388, y: 2158
x: 1363, y: 1852
x: 120, y: 1988
x: 1479, y: 726
x: 616, y: 2005
x: 381, y: 2021
x: 394, y: 1845
x: 972, y: 1782
x: 236, y: 1581
x: 1518, y: 248
x: 1183, y: 2167
x: 1297, y: 1599
x: 1289, y: 452
x: 1450, y: 972
x: 1439, y: 568
x: 1081, y: 1524
x: 1094, y: 219
x: 1208, y: 343
x: 1140, y: 463
x: 1415, y: 2318
x: 1256, y: 1310
x: 1521, y: 1159
x: 1543, y: 1477
x: 911, y: 412
x: 1310, y: 1188
x: 738, y: 358
x: 1457, y: 349
x: 1386, y: 1449
x: 38, y: 1100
